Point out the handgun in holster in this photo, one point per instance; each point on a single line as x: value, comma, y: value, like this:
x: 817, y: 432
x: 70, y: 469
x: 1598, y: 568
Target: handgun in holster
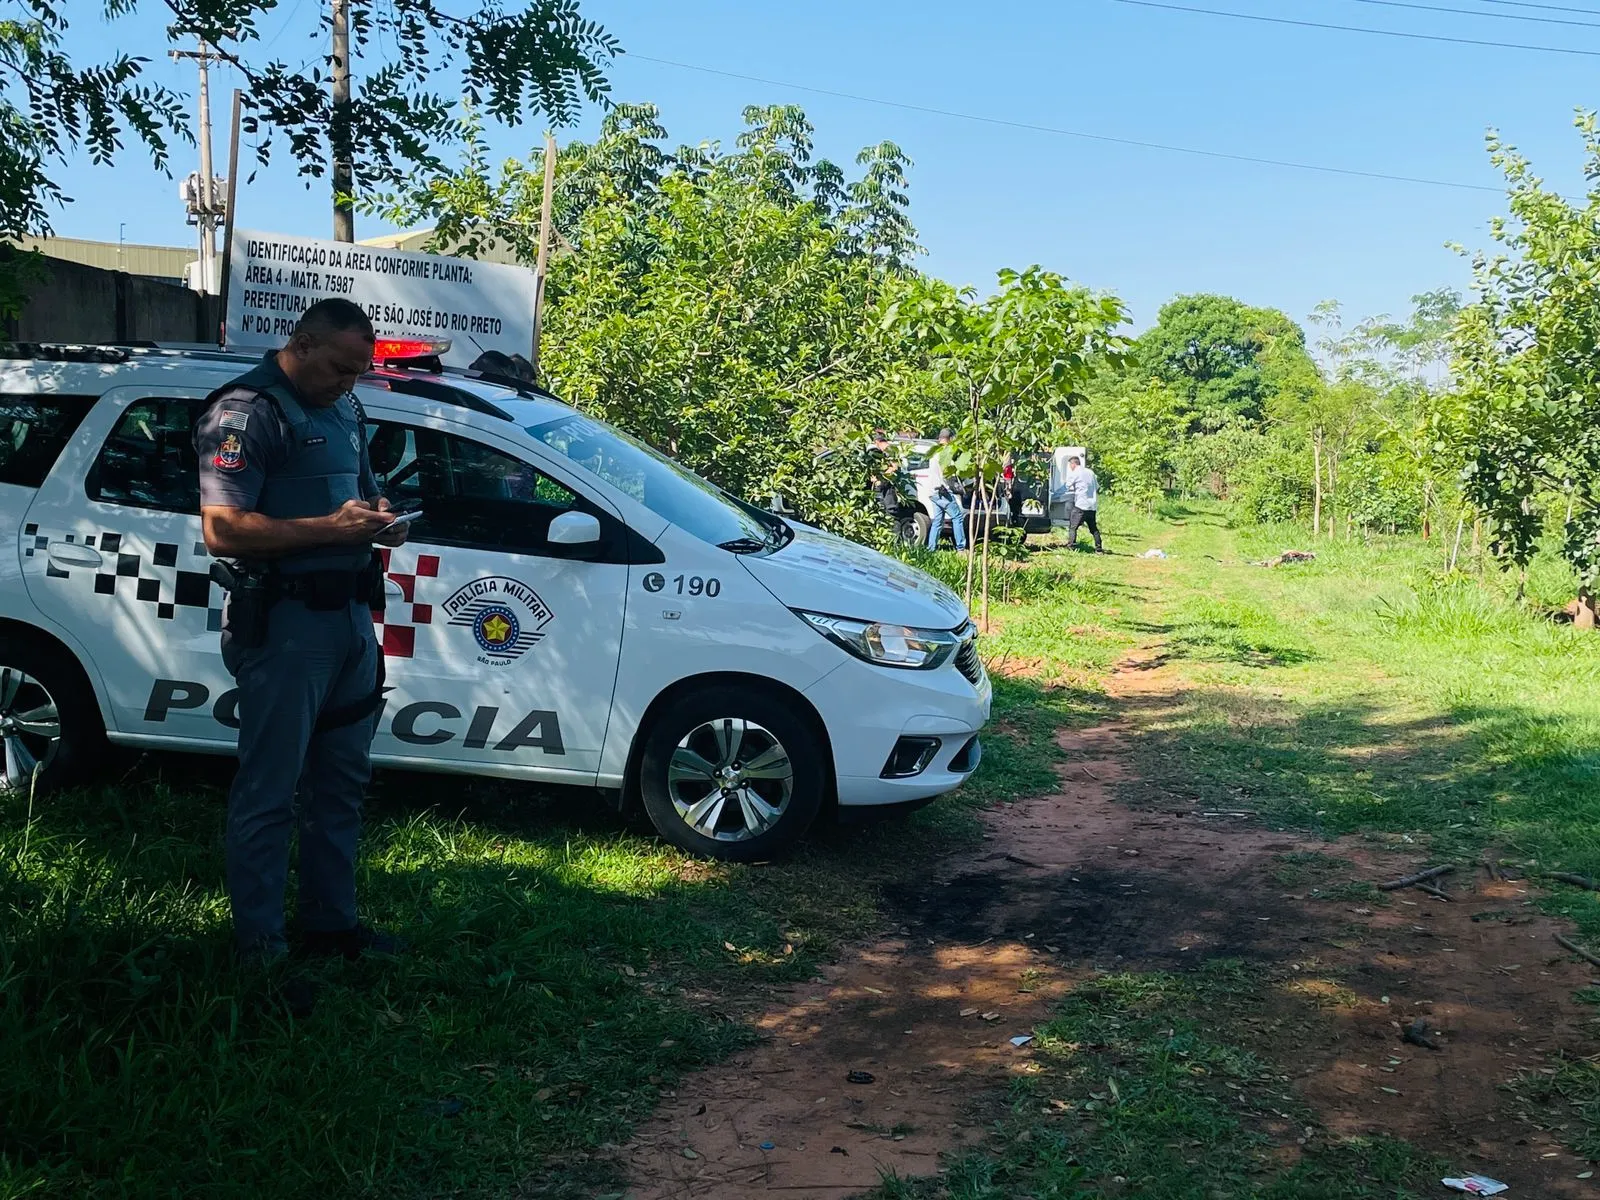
x: 250, y: 598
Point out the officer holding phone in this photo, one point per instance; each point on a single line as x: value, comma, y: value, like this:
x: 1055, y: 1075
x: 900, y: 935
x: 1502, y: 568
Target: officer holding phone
x: 290, y: 507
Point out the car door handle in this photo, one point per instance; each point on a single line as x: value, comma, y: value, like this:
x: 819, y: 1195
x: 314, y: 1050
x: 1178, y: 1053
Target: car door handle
x: 391, y: 588
x: 71, y: 554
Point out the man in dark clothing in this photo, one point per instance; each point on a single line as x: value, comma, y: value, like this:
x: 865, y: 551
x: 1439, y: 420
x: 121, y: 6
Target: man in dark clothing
x: 287, y: 494
x: 884, y: 469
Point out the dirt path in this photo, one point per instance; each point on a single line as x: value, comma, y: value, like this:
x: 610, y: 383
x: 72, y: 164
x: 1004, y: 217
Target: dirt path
x: 1068, y: 883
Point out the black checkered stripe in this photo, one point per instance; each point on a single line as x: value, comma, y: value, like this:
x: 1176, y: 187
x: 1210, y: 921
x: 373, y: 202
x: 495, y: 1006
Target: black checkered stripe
x: 158, y: 580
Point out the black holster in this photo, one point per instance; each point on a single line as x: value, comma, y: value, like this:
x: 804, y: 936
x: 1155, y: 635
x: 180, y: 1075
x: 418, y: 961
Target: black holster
x: 251, y: 595
x: 369, y: 583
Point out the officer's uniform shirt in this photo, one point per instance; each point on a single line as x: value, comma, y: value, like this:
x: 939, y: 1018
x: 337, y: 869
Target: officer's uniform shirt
x: 242, y: 440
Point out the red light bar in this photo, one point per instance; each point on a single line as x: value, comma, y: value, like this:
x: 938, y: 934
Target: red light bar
x: 388, y: 349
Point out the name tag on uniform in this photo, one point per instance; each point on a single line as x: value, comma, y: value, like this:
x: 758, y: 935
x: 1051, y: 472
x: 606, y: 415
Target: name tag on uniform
x: 316, y: 441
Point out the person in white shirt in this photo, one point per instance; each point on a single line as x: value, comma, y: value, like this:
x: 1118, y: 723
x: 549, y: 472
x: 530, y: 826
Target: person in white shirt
x: 945, y: 500
x: 1083, y: 491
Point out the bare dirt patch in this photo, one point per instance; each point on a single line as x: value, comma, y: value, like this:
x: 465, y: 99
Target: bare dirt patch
x: 1075, y: 882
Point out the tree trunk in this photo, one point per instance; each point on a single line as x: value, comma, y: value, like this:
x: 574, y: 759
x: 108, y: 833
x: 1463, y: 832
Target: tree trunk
x: 1427, y: 510
x: 972, y: 548
x: 1316, y: 486
x: 1456, y: 549
x: 988, y: 527
x: 1333, y: 496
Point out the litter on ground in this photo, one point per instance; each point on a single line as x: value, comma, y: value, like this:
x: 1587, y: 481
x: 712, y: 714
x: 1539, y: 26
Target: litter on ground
x: 1153, y: 552
x: 1477, y: 1185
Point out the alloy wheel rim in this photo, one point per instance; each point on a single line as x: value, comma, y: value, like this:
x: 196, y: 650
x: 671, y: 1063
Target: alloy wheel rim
x: 730, y: 779
x: 30, y: 728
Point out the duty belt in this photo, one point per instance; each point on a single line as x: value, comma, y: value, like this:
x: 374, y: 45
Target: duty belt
x: 317, y: 588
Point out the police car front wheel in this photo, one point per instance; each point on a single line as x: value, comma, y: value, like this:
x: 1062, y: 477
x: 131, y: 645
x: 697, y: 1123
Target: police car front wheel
x: 732, y: 774
x: 50, y: 726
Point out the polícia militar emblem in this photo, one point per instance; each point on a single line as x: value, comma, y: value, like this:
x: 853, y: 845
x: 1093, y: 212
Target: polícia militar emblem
x: 230, y: 455
x: 506, y: 616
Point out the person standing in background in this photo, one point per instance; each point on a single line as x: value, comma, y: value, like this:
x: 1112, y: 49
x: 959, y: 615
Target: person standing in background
x: 944, y: 499
x: 1083, y: 489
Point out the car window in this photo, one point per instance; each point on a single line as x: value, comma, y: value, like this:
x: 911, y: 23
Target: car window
x: 471, y: 494
x: 667, y: 489
x: 33, y: 432
x: 149, y: 460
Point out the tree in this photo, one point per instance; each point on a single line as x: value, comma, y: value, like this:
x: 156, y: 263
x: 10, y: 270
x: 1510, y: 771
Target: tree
x: 1528, y: 368
x: 541, y: 57
x: 1137, y: 425
x: 1020, y: 358
x: 49, y: 108
x: 1215, y: 350
x: 722, y: 306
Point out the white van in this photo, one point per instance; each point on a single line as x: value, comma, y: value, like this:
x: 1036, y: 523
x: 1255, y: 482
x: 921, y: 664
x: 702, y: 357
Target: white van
x: 572, y: 608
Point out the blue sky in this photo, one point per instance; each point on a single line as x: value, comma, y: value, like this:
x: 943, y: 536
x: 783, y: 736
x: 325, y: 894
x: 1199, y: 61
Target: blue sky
x: 1143, y: 223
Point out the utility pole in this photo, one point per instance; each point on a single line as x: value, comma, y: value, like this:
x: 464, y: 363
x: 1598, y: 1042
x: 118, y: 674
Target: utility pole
x: 344, y: 217
x: 544, y: 244
x: 228, y: 211
x: 200, y: 193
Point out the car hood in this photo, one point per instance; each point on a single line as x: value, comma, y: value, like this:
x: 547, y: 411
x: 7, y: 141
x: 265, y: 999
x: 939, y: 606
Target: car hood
x: 818, y: 572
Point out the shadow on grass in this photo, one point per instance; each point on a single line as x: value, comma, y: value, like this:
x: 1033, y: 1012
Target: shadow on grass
x: 1224, y: 641
x: 1505, y: 776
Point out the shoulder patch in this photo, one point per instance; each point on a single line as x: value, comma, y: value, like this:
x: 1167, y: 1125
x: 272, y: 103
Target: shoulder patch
x: 230, y: 455
x: 233, y: 419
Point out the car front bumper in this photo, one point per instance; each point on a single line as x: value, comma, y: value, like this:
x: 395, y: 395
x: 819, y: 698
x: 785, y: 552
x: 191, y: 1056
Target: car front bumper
x: 868, y: 709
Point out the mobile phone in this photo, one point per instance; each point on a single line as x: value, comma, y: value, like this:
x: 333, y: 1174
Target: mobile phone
x: 405, y: 518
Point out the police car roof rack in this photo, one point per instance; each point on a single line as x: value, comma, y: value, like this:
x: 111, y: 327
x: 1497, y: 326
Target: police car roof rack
x: 77, y: 352
x: 432, y: 389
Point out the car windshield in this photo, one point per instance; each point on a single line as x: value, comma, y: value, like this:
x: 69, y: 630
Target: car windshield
x: 661, y: 485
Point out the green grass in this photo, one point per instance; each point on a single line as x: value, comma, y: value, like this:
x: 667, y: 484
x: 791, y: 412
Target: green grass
x: 570, y: 969
x: 1362, y: 692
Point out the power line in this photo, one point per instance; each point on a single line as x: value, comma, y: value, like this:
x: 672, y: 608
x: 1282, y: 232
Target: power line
x: 1075, y: 133
x: 1394, y: 33
x: 1547, y: 7
x: 1494, y: 16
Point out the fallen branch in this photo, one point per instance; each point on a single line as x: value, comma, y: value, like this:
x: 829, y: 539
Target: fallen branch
x: 1433, y: 891
x: 1582, y: 881
x: 1406, y: 881
x: 1577, y: 949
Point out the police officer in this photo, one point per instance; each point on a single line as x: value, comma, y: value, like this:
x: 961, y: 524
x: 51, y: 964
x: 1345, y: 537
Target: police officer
x: 289, y: 503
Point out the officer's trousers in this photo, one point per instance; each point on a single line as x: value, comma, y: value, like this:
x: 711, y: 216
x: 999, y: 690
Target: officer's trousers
x: 1083, y: 516
x: 311, y: 662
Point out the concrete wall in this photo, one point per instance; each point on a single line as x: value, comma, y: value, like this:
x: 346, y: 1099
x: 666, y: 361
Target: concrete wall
x: 71, y: 302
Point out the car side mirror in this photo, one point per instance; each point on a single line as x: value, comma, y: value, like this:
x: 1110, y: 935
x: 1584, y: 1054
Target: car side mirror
x: 574, y: 529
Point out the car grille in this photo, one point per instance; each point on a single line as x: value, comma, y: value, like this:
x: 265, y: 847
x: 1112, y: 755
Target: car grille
x: 967, y: 660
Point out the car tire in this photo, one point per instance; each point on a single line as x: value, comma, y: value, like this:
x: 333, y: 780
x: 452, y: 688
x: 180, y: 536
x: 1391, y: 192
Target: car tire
x: 911, y: 529
x: 732, y: 773
x: 43, y: 691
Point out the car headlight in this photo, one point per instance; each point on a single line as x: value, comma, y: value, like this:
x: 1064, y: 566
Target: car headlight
x: 886, y: 645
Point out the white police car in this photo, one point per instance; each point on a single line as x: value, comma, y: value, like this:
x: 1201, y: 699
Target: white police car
x: 572, y: 608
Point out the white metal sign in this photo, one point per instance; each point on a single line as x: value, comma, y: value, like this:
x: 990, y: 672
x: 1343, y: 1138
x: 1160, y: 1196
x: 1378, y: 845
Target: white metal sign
x: 478, y: 306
